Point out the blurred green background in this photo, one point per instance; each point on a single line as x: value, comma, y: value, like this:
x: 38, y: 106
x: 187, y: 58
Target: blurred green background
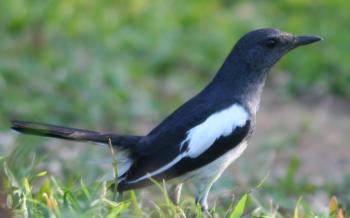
x: 113, y: 63
x: 125, y: 65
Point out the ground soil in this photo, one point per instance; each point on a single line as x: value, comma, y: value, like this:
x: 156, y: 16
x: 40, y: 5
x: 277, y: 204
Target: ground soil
x: 314, y: 129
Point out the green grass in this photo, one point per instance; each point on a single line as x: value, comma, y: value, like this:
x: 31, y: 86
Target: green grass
x: 52, y: 54
x: 33, y: 191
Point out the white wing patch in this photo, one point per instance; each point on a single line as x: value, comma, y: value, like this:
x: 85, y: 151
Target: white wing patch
x: 222, y: 123
x: 202, y: 136
x: 160, y: 170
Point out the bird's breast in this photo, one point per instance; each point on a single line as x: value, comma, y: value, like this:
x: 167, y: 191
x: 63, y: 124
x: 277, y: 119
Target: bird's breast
x: 217, y: 167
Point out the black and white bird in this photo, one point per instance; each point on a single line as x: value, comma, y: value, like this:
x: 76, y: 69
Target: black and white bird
x: 206, y: 134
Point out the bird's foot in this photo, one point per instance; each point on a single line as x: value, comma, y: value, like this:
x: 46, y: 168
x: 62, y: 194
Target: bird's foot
x: 208, y: 214
x: 204, y: 207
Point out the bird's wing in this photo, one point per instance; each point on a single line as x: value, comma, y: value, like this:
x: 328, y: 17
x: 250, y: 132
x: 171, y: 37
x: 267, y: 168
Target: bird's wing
x: 172, y: 130
x: 202, y: 143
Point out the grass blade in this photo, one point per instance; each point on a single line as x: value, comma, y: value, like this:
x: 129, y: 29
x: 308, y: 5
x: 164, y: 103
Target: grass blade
x: 198, y: 211
x: 134, y: 201
x: 296, y: 211
x: 239, y: 209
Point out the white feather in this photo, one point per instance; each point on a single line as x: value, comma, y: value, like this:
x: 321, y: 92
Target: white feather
x: 217, y: 167
x: 124, y: 162
x: 160, y: 170
x: 222, y: 123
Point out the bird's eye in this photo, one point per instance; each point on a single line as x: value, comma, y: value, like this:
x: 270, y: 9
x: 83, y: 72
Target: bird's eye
x: 271, y: 43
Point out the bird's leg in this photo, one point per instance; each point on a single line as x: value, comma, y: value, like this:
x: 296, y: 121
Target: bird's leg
x: 175, y: 193
x: 202, y: 195
x: 204, y: 185
x: 202, y: 200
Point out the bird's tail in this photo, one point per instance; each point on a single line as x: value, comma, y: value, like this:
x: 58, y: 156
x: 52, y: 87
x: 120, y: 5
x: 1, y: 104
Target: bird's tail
x: 48, y: 130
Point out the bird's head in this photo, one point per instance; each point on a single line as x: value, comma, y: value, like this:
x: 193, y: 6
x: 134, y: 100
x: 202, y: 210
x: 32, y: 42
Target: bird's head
x: 262, y: 48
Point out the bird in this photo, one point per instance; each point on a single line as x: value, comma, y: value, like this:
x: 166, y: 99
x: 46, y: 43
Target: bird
x: 201, y: 138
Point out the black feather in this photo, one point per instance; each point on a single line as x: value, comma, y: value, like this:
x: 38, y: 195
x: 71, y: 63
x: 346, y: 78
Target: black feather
x: 75, y: 134
x: 150, y: 163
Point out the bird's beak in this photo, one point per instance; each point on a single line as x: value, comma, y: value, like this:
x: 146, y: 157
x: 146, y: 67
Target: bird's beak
x: 304, y: 40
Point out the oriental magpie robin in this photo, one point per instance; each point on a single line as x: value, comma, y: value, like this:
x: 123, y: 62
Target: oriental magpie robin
x: 206, y: 134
